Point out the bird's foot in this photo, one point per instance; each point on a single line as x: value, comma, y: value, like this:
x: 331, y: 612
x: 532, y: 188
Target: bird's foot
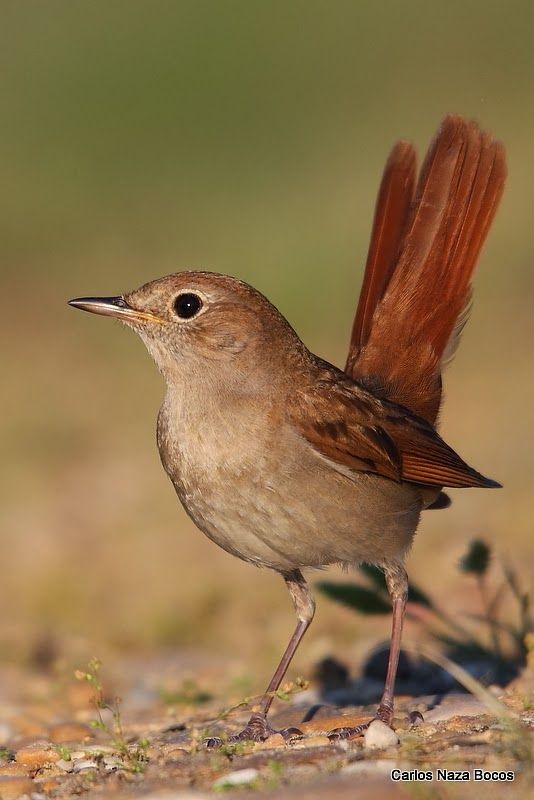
x: 258, y: 729
x: 384, y: 714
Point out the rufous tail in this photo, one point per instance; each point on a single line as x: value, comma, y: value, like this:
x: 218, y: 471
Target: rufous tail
x: 424, y: 246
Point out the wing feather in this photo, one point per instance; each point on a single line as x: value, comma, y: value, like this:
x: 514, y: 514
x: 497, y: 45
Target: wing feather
x: 357, y: 431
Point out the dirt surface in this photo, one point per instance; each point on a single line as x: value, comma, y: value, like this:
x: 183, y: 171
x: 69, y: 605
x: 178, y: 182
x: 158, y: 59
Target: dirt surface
x: 54, y: 742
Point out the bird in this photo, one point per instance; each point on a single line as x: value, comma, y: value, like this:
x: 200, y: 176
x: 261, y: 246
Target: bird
x: 290, y: 463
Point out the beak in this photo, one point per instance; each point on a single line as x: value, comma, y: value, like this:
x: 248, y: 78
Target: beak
x: 112, y: 307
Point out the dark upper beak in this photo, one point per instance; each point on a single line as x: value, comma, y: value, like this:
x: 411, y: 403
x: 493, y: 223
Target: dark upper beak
x: 112, y: 307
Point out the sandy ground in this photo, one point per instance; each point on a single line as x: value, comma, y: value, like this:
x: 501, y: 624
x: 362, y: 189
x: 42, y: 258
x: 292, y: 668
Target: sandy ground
x: 54, y: 743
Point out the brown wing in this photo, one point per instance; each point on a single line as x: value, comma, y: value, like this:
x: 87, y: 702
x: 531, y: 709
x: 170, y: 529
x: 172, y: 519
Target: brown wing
x: 391, y: 213
x: 416, y: 319
x: 357, y: 431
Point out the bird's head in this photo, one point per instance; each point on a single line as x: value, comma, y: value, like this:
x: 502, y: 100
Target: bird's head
x: 194, y: 323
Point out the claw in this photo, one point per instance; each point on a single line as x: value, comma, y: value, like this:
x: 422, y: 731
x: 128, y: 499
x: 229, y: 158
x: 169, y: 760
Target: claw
x: 257, y: 730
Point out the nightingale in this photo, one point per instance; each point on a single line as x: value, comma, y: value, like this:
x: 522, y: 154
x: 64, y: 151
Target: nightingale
x: 286, y: 461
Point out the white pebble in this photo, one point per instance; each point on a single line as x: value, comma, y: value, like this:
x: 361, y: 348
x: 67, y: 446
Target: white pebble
x: 238, y: 778
x: 379, y: 735
x: 81, y: 765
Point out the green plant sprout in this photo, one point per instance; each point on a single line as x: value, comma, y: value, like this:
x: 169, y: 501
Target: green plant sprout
x: 132, y: 755
x: 63, y: 752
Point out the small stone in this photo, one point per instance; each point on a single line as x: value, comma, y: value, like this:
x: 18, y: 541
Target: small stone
x: 14, y: 786
x: 80, y: 766
x: 64, y: 765
x: 37, y: 755
x: 70, y: 732
x: 379, y: 735
x: 240, y: 777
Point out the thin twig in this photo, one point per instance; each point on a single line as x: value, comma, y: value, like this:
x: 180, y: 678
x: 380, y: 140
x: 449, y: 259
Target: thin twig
x: 466, y: 680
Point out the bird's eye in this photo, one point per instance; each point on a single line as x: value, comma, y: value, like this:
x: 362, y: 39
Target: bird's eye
x: 187, y: 305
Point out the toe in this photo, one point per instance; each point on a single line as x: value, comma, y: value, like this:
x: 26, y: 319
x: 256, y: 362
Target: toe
x: 339, y: 734
x: 290, y: 733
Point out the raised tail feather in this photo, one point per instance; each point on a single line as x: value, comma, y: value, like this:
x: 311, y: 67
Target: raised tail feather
x: 416, y: 289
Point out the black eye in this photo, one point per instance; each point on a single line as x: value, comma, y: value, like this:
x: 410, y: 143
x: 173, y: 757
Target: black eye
x: 187, y: 305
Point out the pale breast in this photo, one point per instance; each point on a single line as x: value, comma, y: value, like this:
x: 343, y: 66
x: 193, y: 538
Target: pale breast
x: 258, y: 491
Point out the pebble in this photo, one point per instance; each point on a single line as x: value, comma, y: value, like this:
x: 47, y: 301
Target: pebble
x: 37, y: 755
x: 70, y: 732
x: 14, y: 786
x: 379, y: 735
x: 238, y: 778
x: 80, y: 766
x: 64, y: 765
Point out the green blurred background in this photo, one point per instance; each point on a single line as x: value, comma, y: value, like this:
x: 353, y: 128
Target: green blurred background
x: 140, y: 138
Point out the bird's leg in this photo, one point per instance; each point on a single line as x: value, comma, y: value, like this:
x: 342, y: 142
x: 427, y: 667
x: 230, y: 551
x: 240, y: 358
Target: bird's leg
x: 397, y: 583
x: 258, y: 728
